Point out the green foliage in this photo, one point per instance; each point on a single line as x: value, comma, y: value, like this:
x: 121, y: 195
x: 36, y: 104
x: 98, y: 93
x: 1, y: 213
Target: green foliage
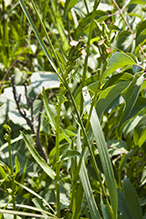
x: 73, y: 120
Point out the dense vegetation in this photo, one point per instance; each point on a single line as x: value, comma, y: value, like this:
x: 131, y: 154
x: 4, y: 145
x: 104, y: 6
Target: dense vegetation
x: 73, y: 109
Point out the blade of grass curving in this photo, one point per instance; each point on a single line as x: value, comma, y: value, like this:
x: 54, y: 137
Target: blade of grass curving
x: 46, y: 34
x: 103, y: 153
x: 36, y: 195
x: 38, y: 158
x: 38, y: 37
x: 22, y: 206
x: 27, y: 214
x: 86, y: 185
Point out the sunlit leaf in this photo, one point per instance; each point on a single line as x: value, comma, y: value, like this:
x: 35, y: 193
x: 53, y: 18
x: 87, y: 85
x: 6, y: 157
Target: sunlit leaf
x: 38, y: 159
x: 118, y: 60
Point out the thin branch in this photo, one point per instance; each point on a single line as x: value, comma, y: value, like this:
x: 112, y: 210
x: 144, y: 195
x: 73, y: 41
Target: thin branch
x: 121, y: 12
x: 13, y: 64
x: 17, y: 100
x: 30, y: 122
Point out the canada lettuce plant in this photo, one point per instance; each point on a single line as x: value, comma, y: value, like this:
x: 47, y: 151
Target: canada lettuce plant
x: 85, y: 96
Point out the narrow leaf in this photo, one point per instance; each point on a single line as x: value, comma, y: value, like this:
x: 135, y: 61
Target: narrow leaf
x: 103, y: 152
x: 118, y: 60
x: 130, y: 95
x: 108, y: 95
x: 132, y: 200
x: 68, y: 5
x: 122, y: 206
x: 139, y: 134
x: 38, y: 159
x: 86, y: 185
x: 48, y: 111
x: 42, y: 44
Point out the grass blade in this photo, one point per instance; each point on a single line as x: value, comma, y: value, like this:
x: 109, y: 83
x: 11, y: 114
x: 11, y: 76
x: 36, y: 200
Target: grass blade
x: 38, y: 159
x: 132, y: 200
x: 38, y: 36
x: 86, y: 185
x: 103, y: 153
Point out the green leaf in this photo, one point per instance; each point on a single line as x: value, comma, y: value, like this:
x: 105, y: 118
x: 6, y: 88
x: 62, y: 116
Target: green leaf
x: 141, y: 33
x: 86, y: 185
x: 125, y: 40
x: 84, y: 23
x: 3, y: 174
x: 141, y: 38
x: 78, y: 202
x: 130, y: 95
x: 122, y: 206
x: 103, y: 152
x: 108, y: 95
x: 141, y: 2
x: 1, y: 104
x: 17, y: 164
x: 48, y: 111
x: 38, y: 158
x: 140, y: 132
x: 48, y: 80
x: 118, y: 60
x: 105, y: 211
x: 42, y: 44
x: 70, y: 154
x: 132, y: 200
x: 68, y: 5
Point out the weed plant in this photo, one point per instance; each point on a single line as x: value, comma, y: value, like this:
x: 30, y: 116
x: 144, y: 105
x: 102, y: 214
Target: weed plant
x: 73, y: 117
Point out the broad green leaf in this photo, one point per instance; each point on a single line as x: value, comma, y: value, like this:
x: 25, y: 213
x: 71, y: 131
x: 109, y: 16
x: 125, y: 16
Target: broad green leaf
x: 18, y: 119
x: 141, y: 38
x: 130, y: 95
x: 86, y: 185
x: 103, y: 152
x: 117, y: 79
x: 118, y: 60
x: 117, y: 147
x: 131, y: 124
x: 132, y: 200
x: 139, y: 134
x: 68, y: 5
x: 70, y: 154
x: 141, y: 33
x: 141, y: 27
x: 48, y: 80
x: 122, y: 206
x: 38, y: 158
x: 125, y: 40
x: 138, y: 107
x: 48, y: 111
x: 142, y: 2
x: 108, y: 95
x: 3, y: 174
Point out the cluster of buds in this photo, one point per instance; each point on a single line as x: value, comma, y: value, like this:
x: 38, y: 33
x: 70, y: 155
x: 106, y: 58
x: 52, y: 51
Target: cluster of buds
x: 76, y: 51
